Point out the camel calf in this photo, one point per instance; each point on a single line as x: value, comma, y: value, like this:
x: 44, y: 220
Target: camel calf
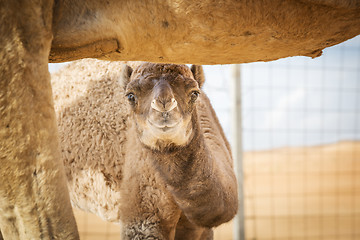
x: 144, y: 148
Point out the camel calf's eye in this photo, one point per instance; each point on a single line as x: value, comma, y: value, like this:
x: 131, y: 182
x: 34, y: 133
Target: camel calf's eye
x: 194, y: 95
x: 131, y: 97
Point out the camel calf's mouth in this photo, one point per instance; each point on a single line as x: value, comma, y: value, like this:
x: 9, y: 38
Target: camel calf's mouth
x: 159, y: 134
x: 165, y: 125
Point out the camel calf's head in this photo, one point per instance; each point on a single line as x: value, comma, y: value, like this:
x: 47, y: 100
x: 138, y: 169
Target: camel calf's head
x: 162, y: 98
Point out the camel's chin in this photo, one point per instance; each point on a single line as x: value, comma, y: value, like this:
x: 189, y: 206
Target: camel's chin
x: 165, y: 129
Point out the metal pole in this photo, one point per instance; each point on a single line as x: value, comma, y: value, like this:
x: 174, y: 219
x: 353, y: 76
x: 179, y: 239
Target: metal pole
x: 239, y: 221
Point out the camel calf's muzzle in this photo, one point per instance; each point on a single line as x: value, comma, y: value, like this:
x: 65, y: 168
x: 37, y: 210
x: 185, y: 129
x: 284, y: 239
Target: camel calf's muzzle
x: 164, y: 105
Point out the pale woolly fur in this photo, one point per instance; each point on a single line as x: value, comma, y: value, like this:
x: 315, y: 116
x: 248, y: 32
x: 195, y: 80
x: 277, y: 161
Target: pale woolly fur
x: 108, y: 210
x: 94, y: 85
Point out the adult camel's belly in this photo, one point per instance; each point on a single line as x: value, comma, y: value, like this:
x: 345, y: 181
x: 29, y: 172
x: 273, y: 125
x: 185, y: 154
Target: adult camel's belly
x: 204, y: 32
x: 89, y: 191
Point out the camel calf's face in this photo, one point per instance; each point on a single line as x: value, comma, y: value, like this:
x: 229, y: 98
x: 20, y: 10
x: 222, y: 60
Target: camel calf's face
x: 162, y: 98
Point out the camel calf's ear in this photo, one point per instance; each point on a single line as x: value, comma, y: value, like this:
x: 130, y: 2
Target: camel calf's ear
x: 198, y: 72
x: 126, y: 72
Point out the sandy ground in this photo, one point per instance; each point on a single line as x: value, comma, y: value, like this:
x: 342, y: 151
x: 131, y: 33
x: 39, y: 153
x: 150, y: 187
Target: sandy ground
x: 291, y: 193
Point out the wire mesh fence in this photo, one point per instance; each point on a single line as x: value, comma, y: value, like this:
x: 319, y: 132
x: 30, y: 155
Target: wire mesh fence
x: 301, y: 121
x: 301, y: 132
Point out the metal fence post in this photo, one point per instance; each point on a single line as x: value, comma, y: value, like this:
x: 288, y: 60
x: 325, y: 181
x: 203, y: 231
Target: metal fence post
x: 239, y: 221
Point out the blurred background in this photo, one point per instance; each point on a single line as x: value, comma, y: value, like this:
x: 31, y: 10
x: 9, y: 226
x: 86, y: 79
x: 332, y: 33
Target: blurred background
x: 300, y: 149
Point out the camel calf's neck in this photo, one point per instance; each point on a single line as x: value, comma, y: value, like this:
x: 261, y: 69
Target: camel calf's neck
x: 202, y: 186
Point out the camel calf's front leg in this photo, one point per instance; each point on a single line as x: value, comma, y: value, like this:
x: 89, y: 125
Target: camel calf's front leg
x: 34, y: 201
x: 147, y: 209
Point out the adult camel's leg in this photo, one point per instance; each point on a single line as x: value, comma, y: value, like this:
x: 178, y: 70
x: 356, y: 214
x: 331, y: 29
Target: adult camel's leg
x: 34, y: 201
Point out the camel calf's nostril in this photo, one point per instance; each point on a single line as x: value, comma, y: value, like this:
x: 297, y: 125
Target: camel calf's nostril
x: 157, y: 106
x: 172, y: 104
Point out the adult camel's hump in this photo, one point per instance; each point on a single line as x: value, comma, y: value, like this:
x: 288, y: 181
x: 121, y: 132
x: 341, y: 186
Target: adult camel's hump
x: 201, y: 32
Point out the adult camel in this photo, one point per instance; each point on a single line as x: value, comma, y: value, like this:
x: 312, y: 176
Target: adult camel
x: 34, y: 203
